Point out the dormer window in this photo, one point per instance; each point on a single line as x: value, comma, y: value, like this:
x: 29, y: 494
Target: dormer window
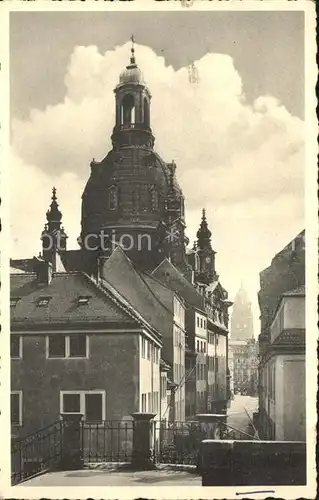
x: 113, y: 198
x: 14, y: 301
x: 43, y: 301
x: 83, y: 300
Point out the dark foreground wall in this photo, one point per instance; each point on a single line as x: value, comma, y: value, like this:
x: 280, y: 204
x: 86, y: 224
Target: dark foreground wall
x: 253, y: 463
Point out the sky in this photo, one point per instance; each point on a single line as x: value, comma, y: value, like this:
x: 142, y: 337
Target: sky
x: 236, y: 134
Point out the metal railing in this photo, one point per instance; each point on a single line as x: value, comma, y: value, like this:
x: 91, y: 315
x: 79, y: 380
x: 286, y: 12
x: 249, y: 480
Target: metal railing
x: 36, y: 452
x: 107, y: 441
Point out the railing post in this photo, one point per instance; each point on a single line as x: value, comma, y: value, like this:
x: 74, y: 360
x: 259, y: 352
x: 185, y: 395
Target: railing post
x: 72, y: 453
x: 142, y: 439
x: 214, y: 424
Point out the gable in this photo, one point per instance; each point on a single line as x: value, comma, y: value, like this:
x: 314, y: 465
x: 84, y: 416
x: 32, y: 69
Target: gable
x: 120, y: 273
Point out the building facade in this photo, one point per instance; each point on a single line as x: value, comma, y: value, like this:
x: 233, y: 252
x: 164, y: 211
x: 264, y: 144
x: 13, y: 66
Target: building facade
x: 67, y: 336
x: 282, y: 345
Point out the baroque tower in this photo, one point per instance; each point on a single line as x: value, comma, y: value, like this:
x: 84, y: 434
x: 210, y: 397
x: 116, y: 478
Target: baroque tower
x: 132, y: 197
x: 53, y: 236
x: 206, y: 255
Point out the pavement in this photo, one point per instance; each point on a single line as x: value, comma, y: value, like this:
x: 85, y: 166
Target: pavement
x: 93, y: 477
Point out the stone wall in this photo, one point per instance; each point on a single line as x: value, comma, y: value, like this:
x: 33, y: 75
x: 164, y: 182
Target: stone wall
x: 253, y: 463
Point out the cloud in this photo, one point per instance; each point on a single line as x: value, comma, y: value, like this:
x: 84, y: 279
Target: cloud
x: 243, y: 161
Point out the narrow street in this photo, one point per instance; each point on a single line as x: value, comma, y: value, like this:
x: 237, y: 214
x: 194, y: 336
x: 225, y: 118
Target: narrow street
x: 236, y: 414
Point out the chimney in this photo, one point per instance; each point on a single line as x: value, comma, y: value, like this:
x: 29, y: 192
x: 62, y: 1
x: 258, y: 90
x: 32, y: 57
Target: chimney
x: 43, y: 270
x: 100, y: 264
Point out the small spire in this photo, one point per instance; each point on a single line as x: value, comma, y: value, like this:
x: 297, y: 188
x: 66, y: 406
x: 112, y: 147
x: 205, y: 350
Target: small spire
x: 203, y: 234
x: 203, y: 214
x: 54, y: 214
x: 133, y: 50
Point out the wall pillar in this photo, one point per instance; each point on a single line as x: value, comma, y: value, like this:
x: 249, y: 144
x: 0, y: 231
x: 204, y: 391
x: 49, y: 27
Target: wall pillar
x: 72, y: 453
x: 212, y: 423
x: 142, y: 441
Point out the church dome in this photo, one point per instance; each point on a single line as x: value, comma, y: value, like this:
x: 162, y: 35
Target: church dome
x: 131, y: 74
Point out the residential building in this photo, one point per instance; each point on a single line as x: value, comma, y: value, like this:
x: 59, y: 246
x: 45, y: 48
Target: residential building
x: 282, y: 345
x: 79, y: 347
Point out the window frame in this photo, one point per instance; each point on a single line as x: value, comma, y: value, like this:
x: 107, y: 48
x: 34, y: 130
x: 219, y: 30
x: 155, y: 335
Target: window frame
x: 67, y: 346
x: 15, y: 424
x: 14, y: 301
x: 82, y: 403
x: 20, y: 356
x: 43, y: 301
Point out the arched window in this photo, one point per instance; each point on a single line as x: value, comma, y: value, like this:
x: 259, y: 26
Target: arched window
x: 182, y: 208
x: 146, y: 113
x: 128, y: 110
x: 113, y: 198
x: 154, y: 199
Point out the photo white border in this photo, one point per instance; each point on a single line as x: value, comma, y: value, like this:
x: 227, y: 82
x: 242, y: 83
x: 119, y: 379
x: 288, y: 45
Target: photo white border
x: 178, y: 492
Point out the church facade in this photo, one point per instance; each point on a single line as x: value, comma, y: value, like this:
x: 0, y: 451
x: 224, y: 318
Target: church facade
x: 131, y: 290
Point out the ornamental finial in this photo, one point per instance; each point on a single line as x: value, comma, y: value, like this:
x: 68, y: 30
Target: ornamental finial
x: 132, y: 50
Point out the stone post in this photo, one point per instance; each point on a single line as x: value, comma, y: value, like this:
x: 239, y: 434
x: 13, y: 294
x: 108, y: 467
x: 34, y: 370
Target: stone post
x: 72, y: 453
x: 213, y: 424
x: 142, y: 441
x: 211, y: 428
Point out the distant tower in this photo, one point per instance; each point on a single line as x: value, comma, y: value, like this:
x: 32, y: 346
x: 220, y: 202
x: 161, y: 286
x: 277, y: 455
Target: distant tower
x: 242, y: 323
x: 53, y: 236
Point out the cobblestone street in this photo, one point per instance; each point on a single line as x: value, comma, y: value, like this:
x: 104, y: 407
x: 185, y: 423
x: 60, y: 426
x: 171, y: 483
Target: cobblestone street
x: 237, y: 417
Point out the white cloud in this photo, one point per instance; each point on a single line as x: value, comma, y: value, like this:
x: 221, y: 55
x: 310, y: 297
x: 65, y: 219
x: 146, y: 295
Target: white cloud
x: 245, y: 163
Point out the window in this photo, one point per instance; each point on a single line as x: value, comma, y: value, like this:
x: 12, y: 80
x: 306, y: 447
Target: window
x: 197, y: 347
x: 201, y: 322
x: 148, y: 347
x: 83, y: 300
x: 157, y: 355
x: 201, y: 347
x: 43, y: 301
x: 197, y: 320
x: 143, y: 409
x: 67, y: 346
x: 149, y: 402
x: 14, y: 301
x: 89, y: 403
x: 163, y: 387
x: 16, y: 347
x: 204, y: 343
x: 57, y: 346
x: 216, y: 364
x: 143, y: 347
x: 154, y: 199
x: 93, y: 407
x: 77, y: 346
x: 113, y: 198
x: 16, y: 408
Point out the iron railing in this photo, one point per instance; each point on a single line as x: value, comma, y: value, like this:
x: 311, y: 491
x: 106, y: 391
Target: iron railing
x: 180, y: 442
x: 36, y: 452
x: 107, y: 441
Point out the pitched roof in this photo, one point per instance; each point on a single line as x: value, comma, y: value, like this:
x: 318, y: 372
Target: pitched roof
x: 26, y: 265
x: 63, y: 306
x: 120, y: 273
x: 163, y: 293
x: 167, y: 273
